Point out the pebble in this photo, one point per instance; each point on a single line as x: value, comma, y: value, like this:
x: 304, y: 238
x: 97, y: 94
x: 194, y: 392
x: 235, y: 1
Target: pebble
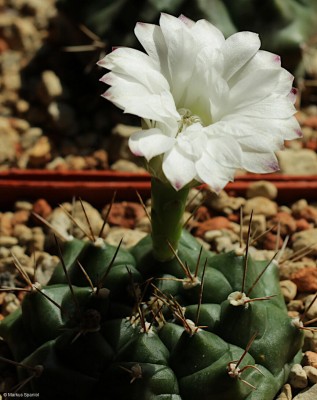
x: 287, y: 224
x: 289, y: 290
x: 45, y: 266
x: 127, y: 166
x: 130, y: 237
x: 298, y: 162
x: 295, y: 305
x: 305, y: 238
x: 262, y: 188
x: 8, y: 241
x: 310, y: 358
x: 195, y: 199
x: 312, y: 312
x: 92, y: 215
x: 272, y: 241
x: 40, y: 153
x: 311, y: 373
x: 258, y: 223
x: 38, y: 239
x: 212, y: 224
x: 10, y: 303
x: 286, y: 393
x: 305, y: 279
x: 42, y: 208
x: 50, y: 87
x: 310, y: 344
x: 260, y: 205
x: 143, y: 224
x: 297, y: 377
x: 309, y: 213
x: 223, y: 202
x: 124, y: 214
x: 309, y: 394
x: 23, y: 206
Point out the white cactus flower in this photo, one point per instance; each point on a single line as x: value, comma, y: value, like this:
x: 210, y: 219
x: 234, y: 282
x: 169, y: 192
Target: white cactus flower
x: 209, y: 105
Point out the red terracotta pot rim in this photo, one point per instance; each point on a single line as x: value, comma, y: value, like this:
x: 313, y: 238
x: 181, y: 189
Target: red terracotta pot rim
x: 101, y: 192
x: 108, y: 175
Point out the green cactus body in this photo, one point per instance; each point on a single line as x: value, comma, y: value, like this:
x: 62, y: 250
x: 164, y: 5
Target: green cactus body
x: 141, y: 332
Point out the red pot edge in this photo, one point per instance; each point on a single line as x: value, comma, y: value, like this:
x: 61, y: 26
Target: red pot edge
x: 99, y: 193
x: 108, y: 175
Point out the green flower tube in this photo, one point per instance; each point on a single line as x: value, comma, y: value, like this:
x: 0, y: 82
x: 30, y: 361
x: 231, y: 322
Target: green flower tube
x: 168, y: 206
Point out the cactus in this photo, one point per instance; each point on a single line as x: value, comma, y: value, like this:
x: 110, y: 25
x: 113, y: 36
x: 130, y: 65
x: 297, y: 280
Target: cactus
x: 117, y: 324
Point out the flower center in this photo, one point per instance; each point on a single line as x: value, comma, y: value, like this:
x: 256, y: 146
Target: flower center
x: 187, y: 119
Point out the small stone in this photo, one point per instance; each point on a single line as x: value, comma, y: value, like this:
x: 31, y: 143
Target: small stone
x: 60, y: 221
x: 201, y: 214
x: 305, y: 238
x: 272, y: 241
x: 124, y: 214
x: 195, y: 199
x: 76, y: 163
x: 312, y: 312
x: 20, y: 217
x: 263, y: 189
x: 8, y: 241
x: 6, y: 224
x: 23, y: 206
x: 309, y: 213
x: 30, y: 137
x: 309, y: 394
x: 298, y: 162
x: 305, y: 279
x: 295, y: 305
x: 310, y: 358
x: 302, y: 224
x: 10, y: 303
x: 45, y: 266
x: 223, y: 244
x: 143, y: 224
x: 130, y: 237
x: 258, y: 224
x: 260, y: 205
x: 42, y: 208
x: 297, y: 377
x: 212, y: 224
x: 298, y: 206
x: 210, y: 236
x: 311, y: 373
x: 288, y: 268
x: 310, y: 343
x: 285, y: 221
x: 58, y: 164
x: 102, y: 158
x: 223, y: 202
x: 95, y: 220
x: 50, y: 87
x: 23, y: 233
x: 289, y: 290
x: 38, y: 239
x: 127, y: 166
x: 286, y: 393
x: 40, y: 153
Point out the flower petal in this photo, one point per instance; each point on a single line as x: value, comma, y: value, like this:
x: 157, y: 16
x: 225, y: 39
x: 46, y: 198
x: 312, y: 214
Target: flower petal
x: 178, y: 168
x: 238, y: 49
x: 260, y: 162
x: 150, y: 143
x: 215, y: 175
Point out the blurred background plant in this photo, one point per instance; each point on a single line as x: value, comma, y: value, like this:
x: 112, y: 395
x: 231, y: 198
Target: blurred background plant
x: 49, y: 77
